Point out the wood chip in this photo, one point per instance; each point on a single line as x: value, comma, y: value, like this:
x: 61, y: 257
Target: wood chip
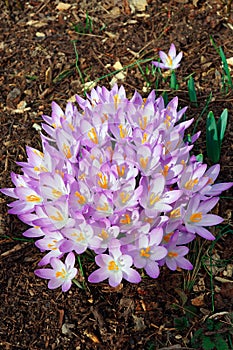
x: 62, y: 6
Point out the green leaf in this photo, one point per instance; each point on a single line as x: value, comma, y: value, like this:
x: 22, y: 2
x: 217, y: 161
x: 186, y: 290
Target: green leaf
x: 220, y: 343
x: 221, y: 125
x: 181, y: 323
x: 173, y: 82
x: 199, y: 157
x: 212, y: 141
x: 207, y: 343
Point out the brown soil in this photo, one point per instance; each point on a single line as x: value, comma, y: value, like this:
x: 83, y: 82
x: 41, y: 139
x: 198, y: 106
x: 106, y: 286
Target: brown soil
x: 37, y: 46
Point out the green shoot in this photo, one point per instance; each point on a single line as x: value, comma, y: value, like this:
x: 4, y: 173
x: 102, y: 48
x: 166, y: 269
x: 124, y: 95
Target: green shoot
x: 86, y: 28
x: 173, y: 82
x: 192, y: 91
x: 143, y: 74
x: 77, y: 66
x: 227, y: 76
x: 214, y: 135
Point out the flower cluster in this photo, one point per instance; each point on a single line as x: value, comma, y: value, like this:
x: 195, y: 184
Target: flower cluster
x: 115, y: 176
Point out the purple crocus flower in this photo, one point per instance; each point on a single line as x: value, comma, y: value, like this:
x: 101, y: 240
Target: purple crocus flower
x: 115, y: 176
x: 175, y: 254
x: 195, y: 217
x: 147, y: 252
x: 114, y: 266
x: 170, y: 60
x: 61, y: 273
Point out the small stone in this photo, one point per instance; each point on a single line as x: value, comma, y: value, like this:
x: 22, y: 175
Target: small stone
x: 13, y: 97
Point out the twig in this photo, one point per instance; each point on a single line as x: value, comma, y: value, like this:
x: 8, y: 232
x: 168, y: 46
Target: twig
x: 13, y: 250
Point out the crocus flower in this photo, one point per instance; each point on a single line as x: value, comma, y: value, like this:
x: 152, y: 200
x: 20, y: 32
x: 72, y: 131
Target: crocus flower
x: 115, y: 176
x: 175, y: 255
x: 196, y: 216
x: 61, y: 273
x: 147, y: 252
x: 170, y: 60
x: 114, y: 266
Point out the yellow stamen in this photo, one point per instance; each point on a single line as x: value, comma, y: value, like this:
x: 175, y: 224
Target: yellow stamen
x: 71, y: 126
x: 66, y: 150
x: 153, y: 198
x: 81, y: 199
x: 59, y: 217
x: 104, y: 118
x: 144, y: 138
x: 103, y: 234
x: 105, y: 207
x: 149, y: 220
x: 61, y: 274
x: 143, y: 122
x: 172, y: 254
x: 144, y: 162
x: 196, y: 217
x: 167, y: 148
x: 124, y: 197
x: 145, y: 253
x: 79, y: 237
x: 82, y: 176
x: 52, y: 246
x: 40, y: 169
x: 112, y: 266
x: 167, y: 121
x: 167, y: 237
x: 60, y: 173
x: 116, y: 100
x: 175, y: 213
x: 127, y: 220
x: 38, y: 153
x: 93, y: 136
x: 190, y: 184
x: 56, y: 193
x: 103, y: 181
x: 165, y: 170
x: 123, y: 132
x: 33, y: 198
x: 169, y: 60
x: 121, y: 170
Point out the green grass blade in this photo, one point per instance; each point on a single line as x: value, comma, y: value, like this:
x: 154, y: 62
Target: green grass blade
x: 212, y: 141
x: 202, y: 112
x: 221, y: 125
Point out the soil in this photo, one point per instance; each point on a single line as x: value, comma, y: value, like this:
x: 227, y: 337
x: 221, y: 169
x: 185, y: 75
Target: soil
x: 39, y: 65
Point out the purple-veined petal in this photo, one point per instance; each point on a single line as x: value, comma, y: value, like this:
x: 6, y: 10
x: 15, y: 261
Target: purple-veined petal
x: 98, y: 275
x: 203, y: 232
x: 152, y: 269
x: 209, y: 220
x: 45, y: 273
x: 131, y: 275
x: 115, y: 278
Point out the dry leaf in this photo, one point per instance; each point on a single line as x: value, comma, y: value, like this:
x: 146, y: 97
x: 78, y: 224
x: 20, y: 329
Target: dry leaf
x: 48, y: 76
x: 198, y: 301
